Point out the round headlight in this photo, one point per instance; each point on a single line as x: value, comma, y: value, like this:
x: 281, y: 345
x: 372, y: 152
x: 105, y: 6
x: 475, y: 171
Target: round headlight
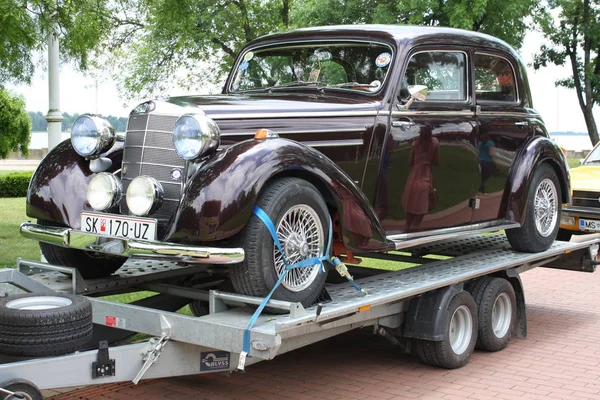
x: 144, y: 195
x: 92, y: 135
x: 195, y: 135
x: 104, y: 191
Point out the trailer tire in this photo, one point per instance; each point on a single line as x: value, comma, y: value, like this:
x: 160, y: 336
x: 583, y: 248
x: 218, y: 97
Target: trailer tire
x: 20, y: 386
x: 460, y: 335
x: 34, y: 325
x: 542, y: 213
x: 497, y: 312
x: 88, y: 264
x: 302, y: 206
x: 199, y: 308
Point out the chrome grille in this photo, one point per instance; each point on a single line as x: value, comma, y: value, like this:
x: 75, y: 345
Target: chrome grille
x: 148, y: 150
x: 583, y: 198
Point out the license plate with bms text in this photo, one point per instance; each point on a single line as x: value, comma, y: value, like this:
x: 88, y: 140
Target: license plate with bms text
x: 117, y: 225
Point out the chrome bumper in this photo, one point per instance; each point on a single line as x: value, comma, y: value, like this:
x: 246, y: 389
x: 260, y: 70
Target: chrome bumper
x: 574, y: 211
x: 70, y: 238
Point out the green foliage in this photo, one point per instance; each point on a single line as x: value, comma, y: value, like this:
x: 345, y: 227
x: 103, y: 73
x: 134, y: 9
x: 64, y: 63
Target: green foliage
x: 15, y: 184
x: 575, y: 40
x: 15, y: 125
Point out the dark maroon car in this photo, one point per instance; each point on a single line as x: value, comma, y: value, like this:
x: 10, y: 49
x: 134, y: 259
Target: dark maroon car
x: 398, y: 135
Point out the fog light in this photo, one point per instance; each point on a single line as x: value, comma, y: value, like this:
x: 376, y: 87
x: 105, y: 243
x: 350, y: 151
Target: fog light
x: 104, y: 191
x: 144, y: 195
x: 567, y: 221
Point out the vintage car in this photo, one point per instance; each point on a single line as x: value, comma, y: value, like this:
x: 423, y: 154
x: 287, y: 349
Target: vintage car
x: 583, y: 214
x: 391, y: 135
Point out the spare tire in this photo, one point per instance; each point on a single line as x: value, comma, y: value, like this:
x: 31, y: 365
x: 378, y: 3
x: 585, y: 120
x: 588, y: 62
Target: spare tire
x: 34, y: 325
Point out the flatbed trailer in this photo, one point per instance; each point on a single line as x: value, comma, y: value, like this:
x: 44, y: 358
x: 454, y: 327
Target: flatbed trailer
x: 405, y: 307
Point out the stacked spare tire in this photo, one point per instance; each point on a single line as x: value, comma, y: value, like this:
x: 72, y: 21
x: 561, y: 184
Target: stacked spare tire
x: 34, y: 325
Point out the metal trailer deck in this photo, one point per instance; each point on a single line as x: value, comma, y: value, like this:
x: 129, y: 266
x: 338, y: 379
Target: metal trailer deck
x: 213, y: 343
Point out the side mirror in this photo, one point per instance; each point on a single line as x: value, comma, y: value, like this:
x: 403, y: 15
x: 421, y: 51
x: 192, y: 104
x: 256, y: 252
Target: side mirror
x: 581, y: 160
x: 417, y: 92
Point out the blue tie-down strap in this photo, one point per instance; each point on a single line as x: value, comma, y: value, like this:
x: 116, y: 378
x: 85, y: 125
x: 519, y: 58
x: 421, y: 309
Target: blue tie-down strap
x: 306, y: 263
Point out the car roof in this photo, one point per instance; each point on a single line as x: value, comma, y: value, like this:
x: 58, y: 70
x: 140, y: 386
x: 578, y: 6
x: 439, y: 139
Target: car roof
x: 400, y: 34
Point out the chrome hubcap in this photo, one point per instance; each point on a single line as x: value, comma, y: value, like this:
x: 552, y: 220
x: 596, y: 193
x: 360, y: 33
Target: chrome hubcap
x: 301, y: 235
x: 501, y: 315
x: 461, y: 327
x: 546, y: 207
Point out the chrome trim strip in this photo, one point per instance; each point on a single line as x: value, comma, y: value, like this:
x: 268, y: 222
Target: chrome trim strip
x: 73, y: 239
x: 506, y: 114
x: 404, y: 240
x: 307, y: 114
x: 579, y: 211
x: 155, y: 164
x: 334, y: 143
x: 433, y: 113
x: 144, y: 144
x: 281, y: 133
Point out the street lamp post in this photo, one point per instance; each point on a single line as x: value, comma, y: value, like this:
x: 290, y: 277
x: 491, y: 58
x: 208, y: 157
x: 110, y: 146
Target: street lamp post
x: 54, y: 116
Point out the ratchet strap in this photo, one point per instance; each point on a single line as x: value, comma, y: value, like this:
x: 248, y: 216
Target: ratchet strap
x: 306, y: 263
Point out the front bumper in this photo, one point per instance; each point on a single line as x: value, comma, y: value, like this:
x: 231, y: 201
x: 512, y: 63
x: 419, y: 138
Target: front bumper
x: 73, y: 239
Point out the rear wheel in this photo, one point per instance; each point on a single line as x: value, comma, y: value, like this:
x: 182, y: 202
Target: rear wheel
x: 89, y: 265
x: 300, y: 217
x: 460, y: 335
x: 22, y: 389
x: 542, y: 213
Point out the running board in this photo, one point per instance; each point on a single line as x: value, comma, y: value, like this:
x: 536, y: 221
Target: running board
x: 405, y: 240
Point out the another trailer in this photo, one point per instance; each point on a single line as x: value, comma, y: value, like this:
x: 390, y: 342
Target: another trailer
x: 463, y: 292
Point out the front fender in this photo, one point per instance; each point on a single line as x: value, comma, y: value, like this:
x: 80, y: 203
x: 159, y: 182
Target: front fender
x: 218, y: 200
x: 534, y: 152
x: 58, y: 188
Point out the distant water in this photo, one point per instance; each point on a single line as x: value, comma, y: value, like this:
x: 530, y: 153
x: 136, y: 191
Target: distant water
x: 574, y: 142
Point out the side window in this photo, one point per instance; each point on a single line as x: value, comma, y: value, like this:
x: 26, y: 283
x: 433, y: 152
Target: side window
x: 494, y: 79
x: 443, y: 72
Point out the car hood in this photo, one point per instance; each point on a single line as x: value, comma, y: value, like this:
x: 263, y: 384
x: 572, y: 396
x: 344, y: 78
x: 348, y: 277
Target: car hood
x: 586, y: 177
x: 271, y: 105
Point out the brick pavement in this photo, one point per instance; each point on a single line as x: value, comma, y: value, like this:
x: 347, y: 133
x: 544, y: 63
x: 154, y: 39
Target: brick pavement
x: 560, y: 359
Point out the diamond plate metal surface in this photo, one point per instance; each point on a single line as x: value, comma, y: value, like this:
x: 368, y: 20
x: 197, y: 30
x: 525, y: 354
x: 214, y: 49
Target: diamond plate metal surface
x: 461, y: 245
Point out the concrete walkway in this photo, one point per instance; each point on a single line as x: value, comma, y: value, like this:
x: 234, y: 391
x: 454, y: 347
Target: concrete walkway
x: 18, y: 165
x: 560, y: 359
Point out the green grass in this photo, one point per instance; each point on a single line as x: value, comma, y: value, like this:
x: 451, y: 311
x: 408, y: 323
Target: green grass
x: 573, y: 162
x: 13, y: 245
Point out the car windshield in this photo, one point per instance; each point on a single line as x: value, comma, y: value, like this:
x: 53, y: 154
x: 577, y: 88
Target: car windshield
x: 593, y: 157
x: 339, y: 66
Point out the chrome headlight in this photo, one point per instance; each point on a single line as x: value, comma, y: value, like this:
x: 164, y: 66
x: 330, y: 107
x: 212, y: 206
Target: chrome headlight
x: 92, y: 135
x: 195, y: 135
x: 144, y: 195
x: 104, y: 191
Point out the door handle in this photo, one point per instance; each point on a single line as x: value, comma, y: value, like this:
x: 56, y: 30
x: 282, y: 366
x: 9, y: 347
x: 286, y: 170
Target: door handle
x: 522, y: 123
x: 402, y: 124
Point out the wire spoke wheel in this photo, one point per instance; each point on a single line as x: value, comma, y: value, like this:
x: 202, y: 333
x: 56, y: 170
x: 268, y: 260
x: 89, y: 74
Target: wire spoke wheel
x: 546, y: 207
x: 302, y: 236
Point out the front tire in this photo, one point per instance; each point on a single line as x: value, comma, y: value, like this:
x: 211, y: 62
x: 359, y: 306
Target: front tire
x: 542, y: 213
x: 88, y: 265
x: 301, y: 220
x: 460, y: 335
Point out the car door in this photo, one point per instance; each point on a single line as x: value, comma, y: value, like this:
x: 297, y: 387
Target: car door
x: 503, y: 126
x: 429, y: 172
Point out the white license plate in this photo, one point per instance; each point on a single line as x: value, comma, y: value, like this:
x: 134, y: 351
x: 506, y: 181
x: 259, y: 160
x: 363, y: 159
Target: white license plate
x: 117, y: 225
x: 589, y: 225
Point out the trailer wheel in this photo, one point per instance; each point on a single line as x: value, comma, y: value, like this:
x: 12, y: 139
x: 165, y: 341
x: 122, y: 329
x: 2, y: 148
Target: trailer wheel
x: 199, y: 308
x: 34, y: 325
x: 89, y: 265
x: 542, y: 213
x: 460, y: 335
x: 497, y: 312
x: 300, y: 217
x: 22, y: 388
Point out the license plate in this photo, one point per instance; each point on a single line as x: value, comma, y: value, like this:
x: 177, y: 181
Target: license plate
x: 120, y: 226
x: 589, y: 225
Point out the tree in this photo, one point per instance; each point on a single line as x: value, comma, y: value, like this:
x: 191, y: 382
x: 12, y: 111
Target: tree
x: 575, y: 40
x: 182, y: 35
x: 15, y: 124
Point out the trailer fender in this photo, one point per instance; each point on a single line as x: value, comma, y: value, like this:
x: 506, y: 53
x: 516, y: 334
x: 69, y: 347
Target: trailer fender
x: 424, y: 319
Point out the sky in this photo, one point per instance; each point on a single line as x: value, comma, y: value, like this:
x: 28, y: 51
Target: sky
x: 559, y: 107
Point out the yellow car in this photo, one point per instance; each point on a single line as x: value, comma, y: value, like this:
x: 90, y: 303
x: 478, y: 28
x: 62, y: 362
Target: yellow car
x: 583, y: 215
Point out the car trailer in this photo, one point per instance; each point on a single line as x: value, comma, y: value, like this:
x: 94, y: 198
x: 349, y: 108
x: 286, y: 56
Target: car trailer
x: 428, y: 309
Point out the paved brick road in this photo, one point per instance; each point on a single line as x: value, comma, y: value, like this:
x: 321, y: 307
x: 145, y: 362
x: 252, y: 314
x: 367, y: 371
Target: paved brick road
x: 559, y: 359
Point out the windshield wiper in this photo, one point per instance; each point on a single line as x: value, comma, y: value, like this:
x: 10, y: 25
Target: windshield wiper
x: 296, y: 84
x: 354, y: 84
x: 592, y: 161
